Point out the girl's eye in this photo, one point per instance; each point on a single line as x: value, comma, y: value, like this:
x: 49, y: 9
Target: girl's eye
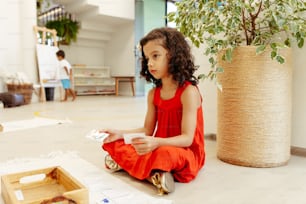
x: 155, y: 56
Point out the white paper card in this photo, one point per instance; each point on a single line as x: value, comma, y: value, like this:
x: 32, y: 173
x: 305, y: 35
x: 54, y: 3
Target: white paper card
x: 96, y: 135
x: 128, y: 137
x: 19, y: 195
x: 33, y: 178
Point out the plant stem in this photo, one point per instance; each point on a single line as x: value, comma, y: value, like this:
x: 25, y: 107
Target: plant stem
x: 244, y: 27
x: 253, y: 21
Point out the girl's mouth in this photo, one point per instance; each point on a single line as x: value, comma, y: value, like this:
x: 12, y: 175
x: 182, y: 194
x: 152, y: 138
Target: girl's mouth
x: 153, y: 71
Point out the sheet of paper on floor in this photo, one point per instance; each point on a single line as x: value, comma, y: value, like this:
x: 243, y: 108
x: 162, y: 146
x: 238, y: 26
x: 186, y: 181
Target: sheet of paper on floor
x: 30, y: 123
x: 102, y: 185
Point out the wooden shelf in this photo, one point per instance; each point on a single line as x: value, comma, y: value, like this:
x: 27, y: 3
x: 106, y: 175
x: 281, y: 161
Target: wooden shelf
x: 90, y: 80
x: 91, y: 67
x: 94, y: 85
x: 96, y: 77
x: 95, y: 93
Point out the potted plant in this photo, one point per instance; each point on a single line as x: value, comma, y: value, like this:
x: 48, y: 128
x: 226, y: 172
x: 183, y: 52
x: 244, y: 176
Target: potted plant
x: 66, y: 29
x: 248, y: 46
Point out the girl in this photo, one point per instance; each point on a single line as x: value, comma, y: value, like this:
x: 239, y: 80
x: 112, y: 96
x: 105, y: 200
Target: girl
x: 174, y: 145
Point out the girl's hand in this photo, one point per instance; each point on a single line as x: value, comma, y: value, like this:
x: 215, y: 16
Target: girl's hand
x: 114, y: 135
x: 144, y: 145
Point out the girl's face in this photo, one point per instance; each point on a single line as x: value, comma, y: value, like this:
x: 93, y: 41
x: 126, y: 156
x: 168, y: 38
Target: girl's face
x: 157, y: 58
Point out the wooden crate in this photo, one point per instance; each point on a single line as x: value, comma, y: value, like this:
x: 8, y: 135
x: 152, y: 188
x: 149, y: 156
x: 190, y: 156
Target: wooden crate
x: 54, y: 181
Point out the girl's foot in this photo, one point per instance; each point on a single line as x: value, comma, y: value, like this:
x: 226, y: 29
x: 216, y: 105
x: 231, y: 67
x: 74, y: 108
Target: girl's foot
x: 111, y: 164
x: 163, y: 181
x: 73, y: 95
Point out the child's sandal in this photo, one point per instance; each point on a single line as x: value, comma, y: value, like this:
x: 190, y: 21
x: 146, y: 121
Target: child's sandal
x: 111, y: 164
x: 163, y: 181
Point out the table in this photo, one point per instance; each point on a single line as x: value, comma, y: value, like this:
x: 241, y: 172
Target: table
x: 119, y: 79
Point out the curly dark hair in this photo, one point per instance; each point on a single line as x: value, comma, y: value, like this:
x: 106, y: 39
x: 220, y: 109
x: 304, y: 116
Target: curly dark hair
x: 181, y: 65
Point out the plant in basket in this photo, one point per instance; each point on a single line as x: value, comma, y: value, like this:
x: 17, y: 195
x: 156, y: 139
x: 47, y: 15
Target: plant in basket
x: 248, y: 46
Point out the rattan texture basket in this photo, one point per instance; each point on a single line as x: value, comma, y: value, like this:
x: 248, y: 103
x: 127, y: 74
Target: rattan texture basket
x: 254, y: 109
x: 25, y: 89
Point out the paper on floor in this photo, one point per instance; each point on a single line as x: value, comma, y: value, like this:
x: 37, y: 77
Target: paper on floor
x: 31, y: 123
x: 103, y: 186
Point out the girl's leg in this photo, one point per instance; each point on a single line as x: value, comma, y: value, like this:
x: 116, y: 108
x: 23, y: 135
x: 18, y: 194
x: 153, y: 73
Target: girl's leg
x: 162, y: 180
x: 72, y: 94
x: 66, y: 95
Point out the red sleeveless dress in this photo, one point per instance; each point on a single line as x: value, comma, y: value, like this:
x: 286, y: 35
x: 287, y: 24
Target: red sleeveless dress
x: 183, y: 163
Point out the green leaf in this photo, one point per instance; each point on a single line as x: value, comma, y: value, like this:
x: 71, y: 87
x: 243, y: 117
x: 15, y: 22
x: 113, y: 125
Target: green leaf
x: 223, y: 57
x: 273, y: 45
x: 202, y: 77
x: 196, y: 43
x: 301, y: 43
x: 211, y: 60
x: 280, y: 59
x: 219, y: 70
x: 287, y: 42
x: 273, y: 54
x: 260, y: 49
x: 228, y: 55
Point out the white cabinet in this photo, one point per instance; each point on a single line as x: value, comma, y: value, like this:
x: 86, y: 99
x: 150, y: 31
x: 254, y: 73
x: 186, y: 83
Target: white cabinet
x: 89, y: 80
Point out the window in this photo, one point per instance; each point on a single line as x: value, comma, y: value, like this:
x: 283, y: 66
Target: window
x: 170, y: 7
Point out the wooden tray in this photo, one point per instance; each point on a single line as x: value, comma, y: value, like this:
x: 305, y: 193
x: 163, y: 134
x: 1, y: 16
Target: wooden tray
x: 34, y: 187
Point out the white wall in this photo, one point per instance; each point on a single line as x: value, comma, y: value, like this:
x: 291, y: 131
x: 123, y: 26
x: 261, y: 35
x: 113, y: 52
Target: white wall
x: 83, y: 55
x: 28, y: 20
x: 208, y: 90
x: 299, y: 98
x: 17, y: 45
x: 117, y: 8
x: 119, y: 52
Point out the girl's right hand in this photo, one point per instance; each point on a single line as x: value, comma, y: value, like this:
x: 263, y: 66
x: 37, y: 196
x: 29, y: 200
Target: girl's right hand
x: 114, y: 135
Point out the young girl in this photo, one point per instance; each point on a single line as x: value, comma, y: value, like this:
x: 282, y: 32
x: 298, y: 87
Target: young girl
x: 174, y: 145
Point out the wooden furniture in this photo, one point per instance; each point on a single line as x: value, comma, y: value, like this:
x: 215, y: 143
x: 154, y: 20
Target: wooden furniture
x: 45, y: 37
x: 41, y: 185
x: 90, y: 80
x: 130, y: 79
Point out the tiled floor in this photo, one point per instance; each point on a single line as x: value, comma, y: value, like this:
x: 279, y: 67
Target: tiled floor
x: 217, y: 183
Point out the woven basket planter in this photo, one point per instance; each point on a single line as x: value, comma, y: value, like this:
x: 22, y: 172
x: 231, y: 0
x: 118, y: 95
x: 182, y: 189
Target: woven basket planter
x: 254, y: 109
x: 25, y: 89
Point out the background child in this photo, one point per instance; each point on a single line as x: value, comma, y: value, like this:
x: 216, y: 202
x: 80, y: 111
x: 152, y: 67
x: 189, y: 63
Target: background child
x: 174, y: 145
x: 65, y: 74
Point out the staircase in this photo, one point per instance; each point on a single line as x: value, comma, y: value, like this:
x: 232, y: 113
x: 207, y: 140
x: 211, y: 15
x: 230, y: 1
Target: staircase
x: 98, y: 19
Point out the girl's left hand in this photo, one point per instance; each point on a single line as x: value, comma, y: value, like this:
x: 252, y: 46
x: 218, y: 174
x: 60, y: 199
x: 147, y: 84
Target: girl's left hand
x: 144, y: 145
